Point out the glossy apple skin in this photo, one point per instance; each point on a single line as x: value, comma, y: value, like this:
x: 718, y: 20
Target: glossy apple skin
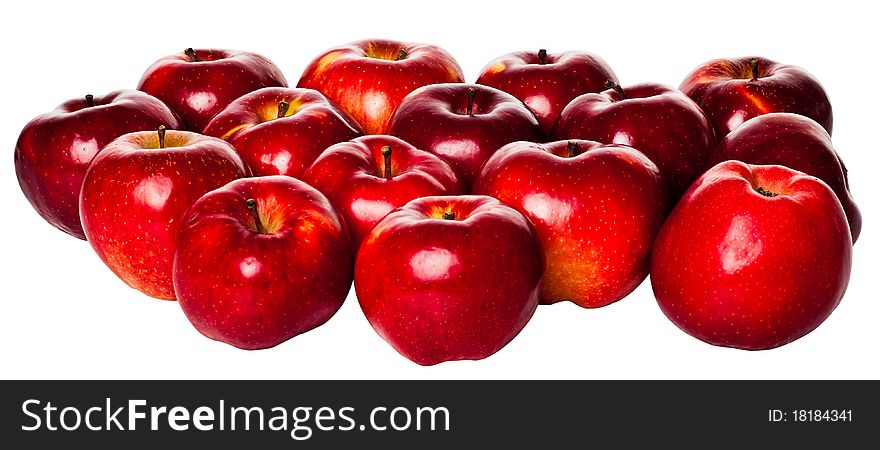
x: 434, y: 118
x: 287, y: 145
x: 725, y: 91
x: 351, y: 175
x: 55, y: 149
x: 441, y: 290
x: 596, y: 213
x: 546, y: 87
x: 794, y: 141
x: 368, y: 82
x: 254, y: 289
x: 659, y: 121
x: 736, y: 268
x: 198, y: 90
x: 135, y: 195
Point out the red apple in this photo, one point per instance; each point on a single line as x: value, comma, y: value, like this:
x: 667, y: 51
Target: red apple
x: 734, y: 90
x: 370, y: 176
x: 796, y: 142
x: 260, y: 261
x: 449, y: 278
x: 280, y: 131
x: 752, y: 257
x: 55, y: 149
x: 661, y: 122
x: 546, y: 82
x: 198, y: 84
x: 369, y: 78
x: 463, y: 123
x: 136, y: 192
x: 596, y: 209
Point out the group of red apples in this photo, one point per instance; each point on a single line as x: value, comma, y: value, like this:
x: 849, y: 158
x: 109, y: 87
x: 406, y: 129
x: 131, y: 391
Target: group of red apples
x: 455, y: 208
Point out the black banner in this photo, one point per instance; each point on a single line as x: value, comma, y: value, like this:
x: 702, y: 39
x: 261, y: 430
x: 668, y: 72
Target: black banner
x: 439, y: 414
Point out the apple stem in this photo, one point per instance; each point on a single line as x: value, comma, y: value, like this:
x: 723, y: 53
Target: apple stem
x: 252, y: 207
x: 573, y: 148
x: 610, y: 84
x: 754, y: 63
x: 161, y: 132
x: 191, y: 54
x: 542, y: 56
x: 283, y: 106
x: 401, y: 54
x: 90, y: 100
x: 471, y: 93
x: 386, y: 155
x: 449, y: 215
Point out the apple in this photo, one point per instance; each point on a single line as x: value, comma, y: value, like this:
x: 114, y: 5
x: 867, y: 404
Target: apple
x: 546, y: 82
x: 55, y: 149
x: 596, y: 208
x: 136, y: 192
x: 370, y: 176
x: 369, y: 78
x: 261, y: 260
x: 734, y: 90
x: 661, y: 122
x: 449, y: 278
x: 752, y: 257
x: 463, y: 123
x: 794, y: 141
x: 198, y: 84
x: 280, y: 131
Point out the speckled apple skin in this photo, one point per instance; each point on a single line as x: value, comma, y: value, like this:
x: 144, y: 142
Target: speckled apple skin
x: 596, y: 213
x: 434, y: 118
x: 736, y: 268
x: 796, y: 142
x: 726, y: 92
x: 659, y: 121
x: 440, y: 290
x: 368, y: 82
x: 546, y: 87
x: 351, y: 175
x: 197, y: 91
x: 135, y: 195
x: 55, y: 149
x: 255, y: 290
x: 287, y: 145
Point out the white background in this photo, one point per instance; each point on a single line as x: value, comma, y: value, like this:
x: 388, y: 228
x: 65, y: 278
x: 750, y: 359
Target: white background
x: 65, y: 315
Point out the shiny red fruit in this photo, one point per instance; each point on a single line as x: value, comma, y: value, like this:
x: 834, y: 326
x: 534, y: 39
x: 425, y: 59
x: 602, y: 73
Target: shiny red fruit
x: 198, y: 84
x: 370, y: 176
x: 369, y: 78
x: 596, y: 209
x: 55, y: 149
x: 546, y: 82
x: 752, y: 257
x: 449, y: 278
x: 260, y: 261
x: 135, y: 195
x: 463, y: 123
x: 280, y: 131
x: 732, y: 91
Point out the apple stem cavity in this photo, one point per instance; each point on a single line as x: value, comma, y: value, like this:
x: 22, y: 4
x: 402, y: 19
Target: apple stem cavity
x: 252, y: 207
x: 283, y: 106
x: 90, y: 100
x: 765, y: 192
x: 471, y: 93
x: 161, y: 132
x: 754, y: 63
x: 610, y: 84
x: 401, y: 54
x: 542, y: 56
x: 191, y: 54
x: 573, y: 149
x: 386, y: 155
x: 449, y: 215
